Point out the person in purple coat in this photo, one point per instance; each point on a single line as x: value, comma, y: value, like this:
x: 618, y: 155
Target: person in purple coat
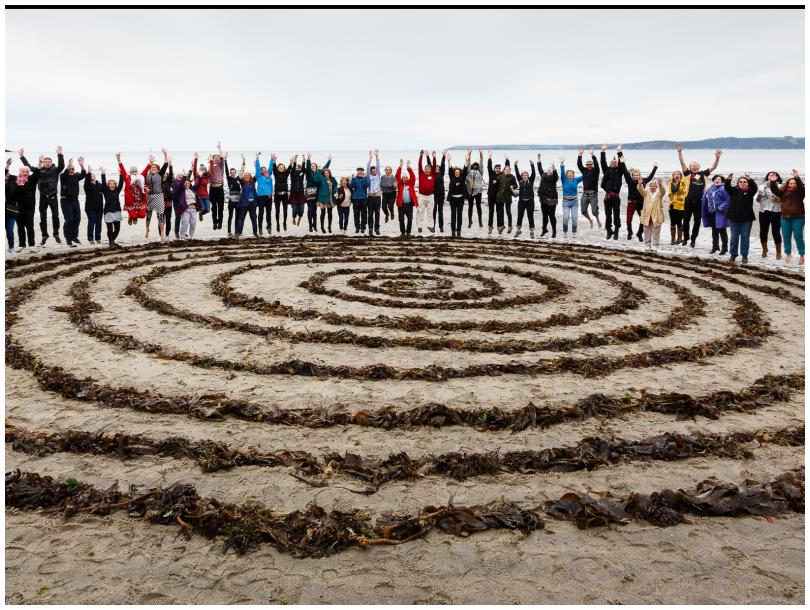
x: 714, y: 211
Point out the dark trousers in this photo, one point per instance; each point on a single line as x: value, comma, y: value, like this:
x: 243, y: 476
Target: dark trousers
x: 360, y: 210
x: 676, y: 219
x: 526, y: 207
x: 405, y: 212
x: 613, y: 206
x: 720, y: 235
x: 113, y: 229
x: 281, y: 200
x: 46, y: 202
x: 772, y: 220
x: 167, y: 219
x: 25, y: 226
x: 476, y: 199
x: 548, y: 207
x: 231, y: 209
x: 388, y: 201
x: 264, y: 204
x: 217, y: 196
x: 438, y: 210
x: 72, y: 212
x: 634, y: 207
x: 374, y: 203
x: 502, y: 209
x: 94, y: 225
x: 491, y: 195
x: 456, y: 209
x: 343, y: 218
x: 242, y: 213
x: 312, y: 215
x: 326, y: 212
x: 691, y: 213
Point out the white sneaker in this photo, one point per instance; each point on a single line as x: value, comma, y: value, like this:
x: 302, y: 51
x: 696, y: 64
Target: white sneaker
x: 32, y: 250
x: 11, y: 252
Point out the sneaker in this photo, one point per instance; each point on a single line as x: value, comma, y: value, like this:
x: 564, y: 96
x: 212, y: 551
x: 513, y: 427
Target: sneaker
x: 377, y: 232
x: 745, y: 260
x: 609, y: 234
x: 509, y: 230
x: 72, y: 245
x: 432, y: 229
x: 77, y: 242
x: 11, y: 252
x: 42, y: 243
x: 531, y: 234
x: 517, y: 233
x: 490, y: 231
x: 58, y: 239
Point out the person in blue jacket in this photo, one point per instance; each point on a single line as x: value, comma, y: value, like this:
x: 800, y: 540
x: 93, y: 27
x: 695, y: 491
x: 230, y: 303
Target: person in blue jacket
x: 570, y: 198
x: 714, y: 211
x: 359, y: 186
x: 264, y: 192
x: 248, y: 199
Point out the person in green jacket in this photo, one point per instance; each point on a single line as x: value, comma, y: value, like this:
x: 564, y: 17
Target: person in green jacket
x: 312, y: 171
x: 327, y: 190
x: 507, y: 188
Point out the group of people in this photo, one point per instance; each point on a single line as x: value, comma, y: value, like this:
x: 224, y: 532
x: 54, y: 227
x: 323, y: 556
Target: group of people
x: 695, y: 196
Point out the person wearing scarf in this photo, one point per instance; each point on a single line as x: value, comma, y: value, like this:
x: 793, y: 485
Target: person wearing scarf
x: 714, y: 209
x: 792, y: 196
x: 475, y: 187
x: 23, y: 191
x: 770, y: 215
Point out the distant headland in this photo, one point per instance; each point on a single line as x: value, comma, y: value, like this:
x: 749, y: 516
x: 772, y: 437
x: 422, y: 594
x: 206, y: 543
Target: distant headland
x: 711, y: 143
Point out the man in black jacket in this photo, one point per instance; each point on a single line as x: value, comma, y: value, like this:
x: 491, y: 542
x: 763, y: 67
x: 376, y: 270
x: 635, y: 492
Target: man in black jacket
x: 48, y: 181
x: 590, y: 187
x: 612, y: 185
x: 71, y: 210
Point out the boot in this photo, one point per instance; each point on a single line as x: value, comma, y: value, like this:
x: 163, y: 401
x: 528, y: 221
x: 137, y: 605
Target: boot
x: 672, y: 236
x: 778, y: 251
x: 679, y: 236
x: 531, y: 233
x: 764, y: 249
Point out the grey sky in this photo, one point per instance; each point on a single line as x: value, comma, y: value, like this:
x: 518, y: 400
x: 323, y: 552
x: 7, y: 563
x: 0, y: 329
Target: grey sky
x: 331, y: 79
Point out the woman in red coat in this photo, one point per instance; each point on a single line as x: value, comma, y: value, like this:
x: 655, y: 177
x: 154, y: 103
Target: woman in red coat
x: 134, y: 193
x: 406, y: 198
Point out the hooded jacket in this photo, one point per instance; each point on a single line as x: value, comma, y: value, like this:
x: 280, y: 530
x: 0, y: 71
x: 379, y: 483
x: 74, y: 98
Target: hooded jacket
x: 714, y: 206
x: 264, y: 184
x: 793, y: 201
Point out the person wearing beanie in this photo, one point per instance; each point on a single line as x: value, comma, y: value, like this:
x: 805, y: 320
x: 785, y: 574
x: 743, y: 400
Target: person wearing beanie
x: 714, y: 212
x: 770, y: 216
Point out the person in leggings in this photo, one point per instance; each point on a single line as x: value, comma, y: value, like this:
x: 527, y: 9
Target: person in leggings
x: 168, y: 180
x: 312, y: 173
x: 456, y: 194
x: 792, y: 196
x: 388, y: 184
x: 406, y: 198
x: 374, y: 193
x: 264, y: 190
x: 612, y: 185
x: 770, y: 215
x: 281, y: 195
x: 343, y: 202
x: 475, y: 187
x: 93, y: 206
x: 234, y: 190
x: 694, y: 196
x: 326, y: 204
x: 547, y: 193
x: 112, y: 206
x: 439, y: 194
x: 635, y: 201
x: 525, y: 199
x: 493, y: 172
x: 298, y: 197
x: 676, y: 189
x: 216, y: 190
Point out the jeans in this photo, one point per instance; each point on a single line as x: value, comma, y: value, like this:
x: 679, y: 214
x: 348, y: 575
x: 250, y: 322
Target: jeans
x: 46, y: 202
x: 592, y: 200
x: 549, y: 209
x: 793, y: 227
x: 374, y: 202
x: 613, y: 206
x: 72, y: 212
x: 94, y: 225
x: 569, y: 211
x: 177, y: 220
x: 438, y: 211
x: 360, y: 209
x: 343, y: 218
x: 526, y: 207
x: 456, y: 207
x: 740, y: 235
x: 241, y: 214
x: 772, y: 220
x: 205, y: 204
x: 217, y: 204
x: 405, y: 213
x: 312, y: 215
x: 10, y: 222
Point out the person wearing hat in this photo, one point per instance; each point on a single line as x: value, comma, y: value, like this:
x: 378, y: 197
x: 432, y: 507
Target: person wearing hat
x: 612, y: 185
x: 133, y: 186
x: 714, y: 212
x: 359, y: 186
x: 590, y: 187
x: 693, y: 205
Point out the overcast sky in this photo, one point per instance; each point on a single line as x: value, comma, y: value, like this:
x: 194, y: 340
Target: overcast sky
x: 331, y: 79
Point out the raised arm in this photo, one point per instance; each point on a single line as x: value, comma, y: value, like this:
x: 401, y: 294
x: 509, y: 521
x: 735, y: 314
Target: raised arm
x: 713, y: 166
x: 61, y: 160
x: 679, y: 148
x: 257, y: 166
x: 603, y: 158
x: 580, y: 167
x: 652, y: 174
x: 534, y: 175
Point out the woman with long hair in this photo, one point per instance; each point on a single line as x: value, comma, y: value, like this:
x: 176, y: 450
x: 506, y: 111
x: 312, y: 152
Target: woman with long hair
x: 677, y: 186
x: 281, y: 195
x: 525, y: 199
x: 264, y: 190
x: 154, y: 192
x: 111, y: 190
x: 475, y: 187
x: 388, y: 183
x: 298, y: 197
x: 234, y: 189
x: 456, y: 194
x: 570, y: 204
x: 770, y: 215
x: 248, y: 202
x: 547, y: 193
x: 343, y: 201
x: 792, y: 220
x: 312, y: 173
